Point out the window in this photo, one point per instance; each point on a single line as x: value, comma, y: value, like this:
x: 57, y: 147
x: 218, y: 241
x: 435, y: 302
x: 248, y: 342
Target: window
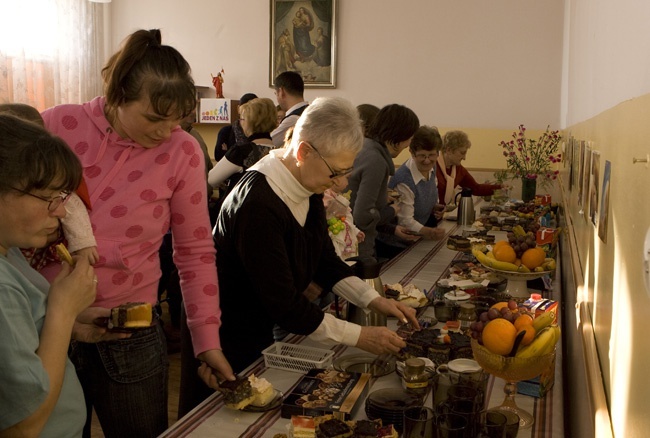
x: 51, y: 51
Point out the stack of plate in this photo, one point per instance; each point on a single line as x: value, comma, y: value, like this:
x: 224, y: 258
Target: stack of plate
x: 389, y: 405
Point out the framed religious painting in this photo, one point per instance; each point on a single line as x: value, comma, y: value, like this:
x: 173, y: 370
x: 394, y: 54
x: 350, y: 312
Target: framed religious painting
x: 303, y: 39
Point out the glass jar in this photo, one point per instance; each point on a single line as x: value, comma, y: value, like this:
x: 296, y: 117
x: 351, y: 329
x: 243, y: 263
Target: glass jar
x: 466, y: 316
x: 415, y: 379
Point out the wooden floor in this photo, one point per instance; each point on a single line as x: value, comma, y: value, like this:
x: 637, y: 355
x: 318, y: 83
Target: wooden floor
x: 174, y: 385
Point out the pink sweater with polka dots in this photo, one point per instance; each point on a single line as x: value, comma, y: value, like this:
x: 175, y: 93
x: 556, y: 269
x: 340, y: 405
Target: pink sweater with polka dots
x: 136, y: 195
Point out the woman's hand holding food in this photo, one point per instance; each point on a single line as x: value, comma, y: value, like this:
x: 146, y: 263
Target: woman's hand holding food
x: 73, y: 289
x: 91, y: 326
x: 214, y: 367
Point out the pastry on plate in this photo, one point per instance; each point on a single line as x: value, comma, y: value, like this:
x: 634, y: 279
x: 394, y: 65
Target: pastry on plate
x: 131, y: 315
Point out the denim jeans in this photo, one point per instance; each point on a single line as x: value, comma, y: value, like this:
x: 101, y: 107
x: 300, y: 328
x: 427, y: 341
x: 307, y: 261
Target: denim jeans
x: 126, y: 382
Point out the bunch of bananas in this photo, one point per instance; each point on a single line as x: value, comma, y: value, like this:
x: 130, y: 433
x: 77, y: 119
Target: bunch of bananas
x: 546, y: 336
x: 487, y: 259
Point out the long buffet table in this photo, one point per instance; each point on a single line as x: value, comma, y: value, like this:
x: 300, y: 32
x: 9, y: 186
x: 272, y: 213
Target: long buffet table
x: 422, y: 264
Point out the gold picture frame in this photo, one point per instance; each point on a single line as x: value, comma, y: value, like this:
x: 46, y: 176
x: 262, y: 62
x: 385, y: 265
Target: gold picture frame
x: 303, y: 39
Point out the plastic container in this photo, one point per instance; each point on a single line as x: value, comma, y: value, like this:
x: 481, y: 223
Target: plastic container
x: 296, y: 358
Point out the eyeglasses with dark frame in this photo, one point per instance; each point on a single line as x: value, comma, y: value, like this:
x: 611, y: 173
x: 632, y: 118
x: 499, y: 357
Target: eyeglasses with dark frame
x: 430, y: 157
x: 334, y: 174
x: 53, y: 203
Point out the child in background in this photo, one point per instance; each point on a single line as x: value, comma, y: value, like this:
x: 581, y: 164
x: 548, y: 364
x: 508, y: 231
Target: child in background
x: 344, y: 234
x: 76, y: 226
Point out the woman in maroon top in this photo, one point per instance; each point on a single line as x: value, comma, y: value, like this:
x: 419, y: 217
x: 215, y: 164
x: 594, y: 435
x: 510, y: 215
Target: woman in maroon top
x: 451, y: 174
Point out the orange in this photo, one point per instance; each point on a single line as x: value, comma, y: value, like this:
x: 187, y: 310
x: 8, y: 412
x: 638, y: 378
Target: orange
x: 499, y: 305
x: 523, y: 320
x: 533, y: 257
x: 499, y: 336
x: 499, y: 244
x: 529, y: 336
x: 505, y: 253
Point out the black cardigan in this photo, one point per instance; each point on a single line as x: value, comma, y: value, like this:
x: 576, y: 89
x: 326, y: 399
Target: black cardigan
x: 265, y: 260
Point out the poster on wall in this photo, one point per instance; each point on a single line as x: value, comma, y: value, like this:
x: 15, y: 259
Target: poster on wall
x: 604, y: 203
x: 581, y: 171
x: 303, y: 39
x: 575, y: 163
x: 593, y: 187
x: 584, y: 183
x: 568, y: 161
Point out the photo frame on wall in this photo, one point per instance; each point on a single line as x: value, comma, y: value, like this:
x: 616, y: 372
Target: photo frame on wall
x: 303, y: 39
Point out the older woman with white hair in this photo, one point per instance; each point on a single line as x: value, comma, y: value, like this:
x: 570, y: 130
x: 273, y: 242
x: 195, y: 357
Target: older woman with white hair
x: 272, y: 241
x: 451, y: 174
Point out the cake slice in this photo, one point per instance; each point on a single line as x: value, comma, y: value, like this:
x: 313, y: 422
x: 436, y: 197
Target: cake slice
x: 367, y: 428
x: 237, y: 394
x: 302, y: 427
x: 387, y: 432
x: 333, y: 428
x: 262, y: 390
x: 131, y: 315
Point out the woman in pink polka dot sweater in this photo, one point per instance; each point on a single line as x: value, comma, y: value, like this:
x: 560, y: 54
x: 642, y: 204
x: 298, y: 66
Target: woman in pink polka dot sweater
x: 144, y: 175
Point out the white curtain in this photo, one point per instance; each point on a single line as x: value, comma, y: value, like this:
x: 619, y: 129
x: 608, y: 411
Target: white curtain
x: 51, y: 51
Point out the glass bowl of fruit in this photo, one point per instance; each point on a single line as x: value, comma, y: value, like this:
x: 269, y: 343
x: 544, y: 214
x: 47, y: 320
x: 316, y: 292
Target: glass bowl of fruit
x: 499, y: 348
x: 518, y: 260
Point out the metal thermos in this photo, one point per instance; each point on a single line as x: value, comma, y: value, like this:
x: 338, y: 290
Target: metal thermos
x: 368, y: 272
x: 466, y: 213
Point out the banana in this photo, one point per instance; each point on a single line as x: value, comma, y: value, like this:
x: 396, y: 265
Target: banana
x: 523, y: 268
x: 504, y: 266
x: 543, y: 321
x: 549, y: 264
x: 518, y: 230
x: 491, y: 262
x: 480, y: 256
x: 543, y: 344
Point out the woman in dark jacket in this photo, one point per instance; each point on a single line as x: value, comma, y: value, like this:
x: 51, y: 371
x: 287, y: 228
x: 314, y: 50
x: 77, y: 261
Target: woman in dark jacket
x: 390, y: 133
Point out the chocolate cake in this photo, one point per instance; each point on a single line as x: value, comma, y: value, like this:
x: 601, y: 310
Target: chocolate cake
x: 333, y: 428
x: 366, y: 428
x: 428, y: 343
x: 131, y: 315
x: 237, y: 394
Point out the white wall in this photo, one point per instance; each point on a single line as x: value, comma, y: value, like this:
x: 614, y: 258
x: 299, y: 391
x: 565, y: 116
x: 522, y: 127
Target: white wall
x: 607, y: 102
x: 608, y: 44
x: 462, y: 63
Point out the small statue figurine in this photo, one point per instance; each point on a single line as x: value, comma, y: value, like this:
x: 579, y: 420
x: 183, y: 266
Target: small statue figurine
x: 217, y: 81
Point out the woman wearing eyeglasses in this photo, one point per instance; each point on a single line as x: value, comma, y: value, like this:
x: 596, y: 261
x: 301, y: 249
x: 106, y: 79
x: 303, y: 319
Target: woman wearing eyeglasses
x: 272, y: 241
x: 415, y: 181
x: 40, y: 393
x: 389, y: 134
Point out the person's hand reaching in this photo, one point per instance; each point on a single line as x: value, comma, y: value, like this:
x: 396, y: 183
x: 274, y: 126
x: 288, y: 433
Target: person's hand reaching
x: 394, y: 308
x: 403, y: 233
x: 380, y: 340
x: 215, y: 368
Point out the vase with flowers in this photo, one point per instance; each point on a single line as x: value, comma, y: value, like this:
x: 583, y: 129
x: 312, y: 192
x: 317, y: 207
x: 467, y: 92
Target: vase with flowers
x: 532, y: 160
